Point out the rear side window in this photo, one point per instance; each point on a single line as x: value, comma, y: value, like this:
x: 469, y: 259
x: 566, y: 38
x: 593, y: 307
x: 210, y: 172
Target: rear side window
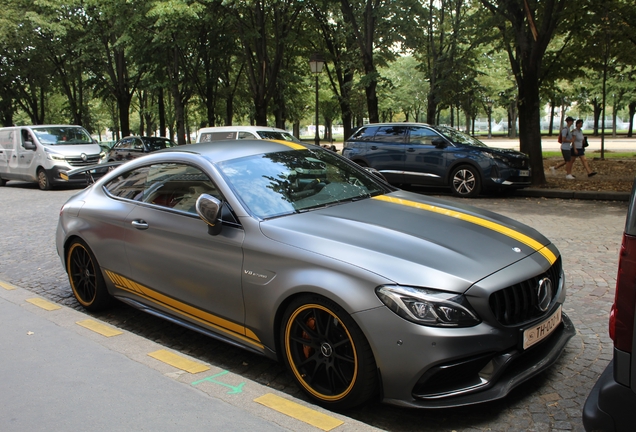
x: 246, y: 135
x: 364, y: 134
x: 391, y: 134
x: 217, y: 136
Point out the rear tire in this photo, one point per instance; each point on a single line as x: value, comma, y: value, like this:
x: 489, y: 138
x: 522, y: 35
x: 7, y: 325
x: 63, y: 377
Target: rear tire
x: 327, y: 353
x: 44, y: 182
x: 2, y: 181
x: 85, y: 276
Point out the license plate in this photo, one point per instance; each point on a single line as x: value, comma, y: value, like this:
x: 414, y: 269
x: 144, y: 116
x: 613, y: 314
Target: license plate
x: 524, y: 173
x: 542, y: 330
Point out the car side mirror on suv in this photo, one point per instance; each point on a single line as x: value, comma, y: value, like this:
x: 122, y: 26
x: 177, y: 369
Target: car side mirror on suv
x: 439, y: 143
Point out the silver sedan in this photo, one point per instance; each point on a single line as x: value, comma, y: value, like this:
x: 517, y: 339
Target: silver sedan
x: 292, y: 251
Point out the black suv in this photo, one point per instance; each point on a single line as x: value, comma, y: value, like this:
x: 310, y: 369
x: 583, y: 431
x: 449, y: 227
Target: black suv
x: 611, y: 405
x: 417, y: 153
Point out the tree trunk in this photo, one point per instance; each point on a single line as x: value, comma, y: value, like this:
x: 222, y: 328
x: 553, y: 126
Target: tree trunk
x: 162, y: 114
x: 632, y: 111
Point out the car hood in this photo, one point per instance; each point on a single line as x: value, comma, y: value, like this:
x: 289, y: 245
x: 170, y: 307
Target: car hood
x: 73, y: 149
x: 412, y: 240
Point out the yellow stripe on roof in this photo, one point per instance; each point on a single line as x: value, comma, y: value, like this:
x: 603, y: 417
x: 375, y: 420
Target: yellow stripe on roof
x: 291, y: 144
x: 508, y: 232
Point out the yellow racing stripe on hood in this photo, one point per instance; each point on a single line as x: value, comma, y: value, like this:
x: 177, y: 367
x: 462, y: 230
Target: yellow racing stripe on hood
x: 516, y: 235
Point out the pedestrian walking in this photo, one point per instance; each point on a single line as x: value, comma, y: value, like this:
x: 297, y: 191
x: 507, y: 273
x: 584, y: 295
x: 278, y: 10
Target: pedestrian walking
x: 566, y: 145
x: 578, y: 149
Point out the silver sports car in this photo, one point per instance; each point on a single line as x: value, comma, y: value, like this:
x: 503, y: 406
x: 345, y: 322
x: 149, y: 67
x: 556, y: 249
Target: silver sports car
x: 292, y: 251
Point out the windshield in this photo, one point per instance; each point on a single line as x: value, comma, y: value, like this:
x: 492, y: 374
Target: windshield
x: 62, y: 135
x: 458, y: 137
x: 275, y: 135
x: 295, y: 181
x: 157, y: 143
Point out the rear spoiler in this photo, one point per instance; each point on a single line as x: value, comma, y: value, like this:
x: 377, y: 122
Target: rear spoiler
x: 91, y: 172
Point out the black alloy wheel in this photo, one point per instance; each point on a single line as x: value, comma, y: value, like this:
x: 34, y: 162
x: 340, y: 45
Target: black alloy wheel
x: 86, y: 277
x: 327, y: 353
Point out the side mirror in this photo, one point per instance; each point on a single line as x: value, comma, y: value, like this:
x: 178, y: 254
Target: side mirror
x: 29, y: 145
x: 439, y: 142
x: 209, y: 209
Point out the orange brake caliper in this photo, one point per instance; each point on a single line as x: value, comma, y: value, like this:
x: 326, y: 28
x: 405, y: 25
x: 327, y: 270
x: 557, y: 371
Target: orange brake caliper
x: 311, y: 323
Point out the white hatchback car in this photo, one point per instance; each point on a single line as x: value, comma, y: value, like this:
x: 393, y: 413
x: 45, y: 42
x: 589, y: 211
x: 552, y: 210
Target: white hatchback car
x: 222, y: 133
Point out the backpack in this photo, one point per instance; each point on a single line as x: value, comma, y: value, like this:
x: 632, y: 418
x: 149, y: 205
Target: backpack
x: 560, y: 138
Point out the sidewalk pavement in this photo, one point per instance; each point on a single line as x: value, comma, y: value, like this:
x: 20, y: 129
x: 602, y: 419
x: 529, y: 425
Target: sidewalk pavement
x: 59, y: 375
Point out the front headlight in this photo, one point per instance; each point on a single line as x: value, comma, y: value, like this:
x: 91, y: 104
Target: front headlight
x: 55, y: 157
x: 428, y: 307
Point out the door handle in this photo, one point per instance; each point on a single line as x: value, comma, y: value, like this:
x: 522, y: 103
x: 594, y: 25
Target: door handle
x: 374, y: 147
x: 140, y: 224
x: 411, y: 150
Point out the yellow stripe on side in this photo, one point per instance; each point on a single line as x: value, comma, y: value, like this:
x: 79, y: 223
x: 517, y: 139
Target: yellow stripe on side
x: 220, y: 324
x: 516, y: 235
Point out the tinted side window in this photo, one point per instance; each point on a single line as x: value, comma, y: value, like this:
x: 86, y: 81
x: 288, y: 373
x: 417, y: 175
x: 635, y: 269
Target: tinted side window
x: 246, y: 135
x: 175, y: 186
x: 392, y: 134
x: 217, y: 136
x: 364, y: 134
x: 422, y: 135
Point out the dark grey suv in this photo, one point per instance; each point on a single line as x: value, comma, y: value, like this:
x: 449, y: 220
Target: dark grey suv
x: 417, y: 153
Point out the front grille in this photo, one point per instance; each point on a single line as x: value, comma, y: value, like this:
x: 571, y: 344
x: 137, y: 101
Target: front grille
x: 518, y: 303
x: 518, y: 163
x: 79, y: 162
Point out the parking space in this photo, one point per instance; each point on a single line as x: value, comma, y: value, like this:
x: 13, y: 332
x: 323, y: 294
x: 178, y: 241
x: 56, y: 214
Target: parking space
x: 588, y: 234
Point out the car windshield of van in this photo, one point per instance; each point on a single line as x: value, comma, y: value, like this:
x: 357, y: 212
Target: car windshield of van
x: 62, y: 135
x: 458, y: 137
x: 296, y: 181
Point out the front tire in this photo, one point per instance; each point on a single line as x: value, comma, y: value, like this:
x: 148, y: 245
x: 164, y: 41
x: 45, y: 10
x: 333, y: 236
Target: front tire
x: 327, y: 353
x: 465, y: 182
x: 44, y: 182
x: 85, y: 276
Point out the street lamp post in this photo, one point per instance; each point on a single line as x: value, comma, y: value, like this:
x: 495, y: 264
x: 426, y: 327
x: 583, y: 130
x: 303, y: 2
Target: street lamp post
x: 489, y: 103
x: 316, y: 62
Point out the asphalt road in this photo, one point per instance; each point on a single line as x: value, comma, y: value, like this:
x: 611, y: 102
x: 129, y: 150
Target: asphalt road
x: 588, y: 234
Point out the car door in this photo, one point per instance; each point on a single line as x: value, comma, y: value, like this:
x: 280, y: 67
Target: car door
x: 386, y: 152
x: 24, y: 156
x: 426, y: 160
x: 183, y: 268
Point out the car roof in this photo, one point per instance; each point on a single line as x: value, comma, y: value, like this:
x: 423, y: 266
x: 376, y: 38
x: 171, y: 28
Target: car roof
x: 240, y: 128
x: 219, y: 151
x: 398, y: 124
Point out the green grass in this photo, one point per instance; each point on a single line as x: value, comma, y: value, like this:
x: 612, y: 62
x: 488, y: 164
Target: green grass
x: 596, y: 153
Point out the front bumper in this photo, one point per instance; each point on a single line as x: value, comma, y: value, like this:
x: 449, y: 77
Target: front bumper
x: 423, y: 367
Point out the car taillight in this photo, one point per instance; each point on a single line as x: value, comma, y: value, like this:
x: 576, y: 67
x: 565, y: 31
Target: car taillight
x: 621, y: 323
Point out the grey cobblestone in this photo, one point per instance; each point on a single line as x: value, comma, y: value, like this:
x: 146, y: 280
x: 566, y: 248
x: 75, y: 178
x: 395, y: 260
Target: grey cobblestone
x: 550, y: 402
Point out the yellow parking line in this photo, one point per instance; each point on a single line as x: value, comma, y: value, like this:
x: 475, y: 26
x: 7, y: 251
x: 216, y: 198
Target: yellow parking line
x: 7, y: 286
x: 178, y: 361
x: 46, y: 305
x: 299, y: 412
x: 100, y: 328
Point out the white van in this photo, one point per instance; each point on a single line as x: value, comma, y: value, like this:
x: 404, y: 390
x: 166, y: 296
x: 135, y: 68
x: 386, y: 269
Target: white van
x: 223, y: 133
x: 40, y: 153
